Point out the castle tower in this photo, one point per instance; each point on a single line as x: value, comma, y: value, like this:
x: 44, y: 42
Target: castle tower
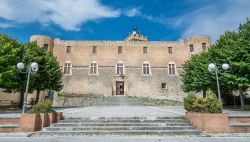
x: 43, y: 41
x: 136, y: 36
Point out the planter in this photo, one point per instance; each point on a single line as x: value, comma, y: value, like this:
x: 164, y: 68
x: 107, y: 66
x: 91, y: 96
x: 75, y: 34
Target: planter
x: 45, y: 119
x: 51, y: 118
x: 58, y: 116
x: 30, y: 122
x: 209, y: 122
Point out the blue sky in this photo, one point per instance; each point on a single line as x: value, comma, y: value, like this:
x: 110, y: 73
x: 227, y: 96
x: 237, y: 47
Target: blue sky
x: 113, y: 19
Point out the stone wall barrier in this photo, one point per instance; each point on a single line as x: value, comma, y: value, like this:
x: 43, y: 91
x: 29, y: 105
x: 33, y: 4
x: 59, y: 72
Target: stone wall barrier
x: 209, y: 122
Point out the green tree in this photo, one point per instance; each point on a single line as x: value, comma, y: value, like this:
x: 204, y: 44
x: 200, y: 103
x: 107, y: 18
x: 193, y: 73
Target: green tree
x: 195, y: 76
x: 48, y: 76
x: 11, y: 80
x: 232, y: 48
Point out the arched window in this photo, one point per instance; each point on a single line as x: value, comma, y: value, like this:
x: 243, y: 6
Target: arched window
x: 120, y: 68
x: 67, y: 68
x: 171, y: 68
x: 93, y: 69
x: 146, y: 70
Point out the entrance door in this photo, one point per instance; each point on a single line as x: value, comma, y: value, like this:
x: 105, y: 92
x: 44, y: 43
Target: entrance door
x: 119, y: 88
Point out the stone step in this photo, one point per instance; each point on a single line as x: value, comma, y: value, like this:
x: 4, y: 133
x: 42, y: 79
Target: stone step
x: 7, y: 128
x: 119, y: 124
x: 128, y: 128
x: 119, y: 133
x: 120, y: 118
x: 124, y: 120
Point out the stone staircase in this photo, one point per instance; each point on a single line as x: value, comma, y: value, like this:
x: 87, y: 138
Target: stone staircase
x: 120, y: 126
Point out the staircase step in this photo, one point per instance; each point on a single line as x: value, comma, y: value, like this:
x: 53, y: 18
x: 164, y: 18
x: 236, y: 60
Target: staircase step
x: 119, y: 124
x: 120, y: 128
x: 119, y: 133
x: 121, y: 118
x: 124, y: 120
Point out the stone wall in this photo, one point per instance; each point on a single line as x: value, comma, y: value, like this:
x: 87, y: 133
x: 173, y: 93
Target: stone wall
x: 81, y: 82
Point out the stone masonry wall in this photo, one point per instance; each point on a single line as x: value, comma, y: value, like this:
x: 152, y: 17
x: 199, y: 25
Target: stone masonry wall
x: 132, y: 56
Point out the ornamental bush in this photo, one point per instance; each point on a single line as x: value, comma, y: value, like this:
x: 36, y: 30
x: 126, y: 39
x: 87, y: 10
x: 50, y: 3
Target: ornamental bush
x: 210, y: 104
x: 42, y: 107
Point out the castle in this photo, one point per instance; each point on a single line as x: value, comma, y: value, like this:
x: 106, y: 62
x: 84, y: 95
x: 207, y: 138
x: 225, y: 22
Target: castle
x: 133, y: 67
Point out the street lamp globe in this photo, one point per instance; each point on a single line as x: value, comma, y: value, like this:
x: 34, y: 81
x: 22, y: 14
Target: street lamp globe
x: 34, y: 66
x: 20, y: 66
x: 225, y: 66
x: 211, y: 67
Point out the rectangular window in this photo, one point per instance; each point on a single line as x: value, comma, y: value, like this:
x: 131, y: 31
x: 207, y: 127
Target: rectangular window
x: 170, y: 50
x: 191, y: 47
x: 93, y: 68
x: 171, y: 69
x: 146, y: 69
x: 163, y: 86
x: 67, y: 68
x: 204, y: 46
x: 119, y: 69
x: 46, y: 47
x: 68, y: 50
x: 119, y: 49
x: 94, y: 49
x: 145, y: 50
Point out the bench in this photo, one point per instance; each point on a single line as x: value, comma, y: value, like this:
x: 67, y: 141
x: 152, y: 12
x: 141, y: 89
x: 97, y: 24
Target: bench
x: 8, y: 104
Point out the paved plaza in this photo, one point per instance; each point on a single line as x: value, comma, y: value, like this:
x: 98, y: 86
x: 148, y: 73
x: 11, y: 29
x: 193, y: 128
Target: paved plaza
x: 123, y: 111
x: 122, y: 108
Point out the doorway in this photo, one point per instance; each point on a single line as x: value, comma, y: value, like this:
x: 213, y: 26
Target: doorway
x: 119, y: 88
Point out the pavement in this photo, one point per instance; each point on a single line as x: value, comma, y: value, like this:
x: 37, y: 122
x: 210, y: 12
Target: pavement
x: 122, y: 111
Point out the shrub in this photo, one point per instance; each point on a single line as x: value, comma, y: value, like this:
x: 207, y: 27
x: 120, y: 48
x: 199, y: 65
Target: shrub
x: 210, y: 104
x: 42, y: 107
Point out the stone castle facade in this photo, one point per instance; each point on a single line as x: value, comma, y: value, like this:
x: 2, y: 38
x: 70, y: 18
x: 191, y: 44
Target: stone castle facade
x: 133, y: 67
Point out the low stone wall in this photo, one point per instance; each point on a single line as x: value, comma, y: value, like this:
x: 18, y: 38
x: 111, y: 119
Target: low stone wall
x: 209, y: 122
x: 220, y: 122
x: 77, y: 101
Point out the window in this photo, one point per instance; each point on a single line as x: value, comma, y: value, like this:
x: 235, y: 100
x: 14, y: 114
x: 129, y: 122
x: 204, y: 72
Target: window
x: 46, y: 47
x: 93, y: 68
x: 170, y: 50
x: 67, y: 68
x: 163, y: 85
x: 68, y: 50
x: 145, y: 50
x: 120, y: 68
x: 119, y: 49
x: 171, y: 69
x: 146, y: 68
x: 94, y: 49
x: 191, y: 47
x: 204, y: 46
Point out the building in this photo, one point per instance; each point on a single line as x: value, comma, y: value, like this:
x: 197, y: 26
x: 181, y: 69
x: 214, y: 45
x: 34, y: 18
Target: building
x: 133, y: 67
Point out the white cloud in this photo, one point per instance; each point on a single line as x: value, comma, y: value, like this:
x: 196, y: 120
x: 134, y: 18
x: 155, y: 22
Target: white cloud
x: 68, y: 14
x: 215, y: 20
x: 132, y: 12
x: 212, y: 19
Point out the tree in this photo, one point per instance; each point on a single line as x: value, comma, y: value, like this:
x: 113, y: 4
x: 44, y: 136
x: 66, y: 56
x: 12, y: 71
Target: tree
x: 195, y: 76
x: 11, y: 80
x: 232, y: 48
x: 48, y: 76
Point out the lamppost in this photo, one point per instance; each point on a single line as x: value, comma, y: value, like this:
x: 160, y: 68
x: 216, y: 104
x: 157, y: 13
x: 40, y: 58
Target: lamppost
x: 212, y: 68
x: 32, y: 68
